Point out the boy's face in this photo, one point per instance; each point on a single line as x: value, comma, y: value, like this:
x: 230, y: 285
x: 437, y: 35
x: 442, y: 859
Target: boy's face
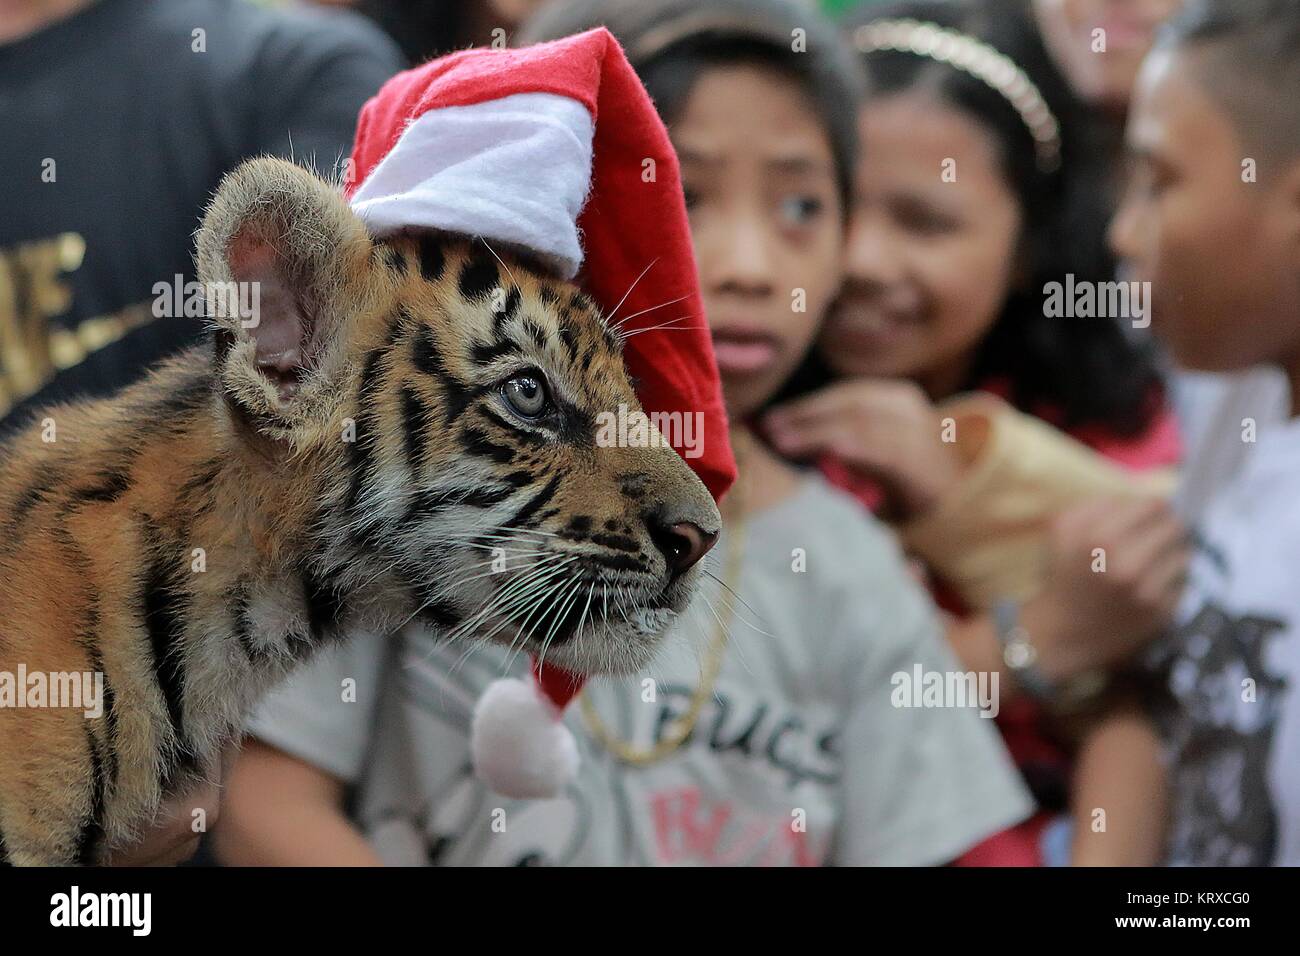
x: 1219, y: 250
x: 759, y: 176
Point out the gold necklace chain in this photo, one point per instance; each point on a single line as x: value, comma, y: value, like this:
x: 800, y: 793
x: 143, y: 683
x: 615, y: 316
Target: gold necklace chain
x: 680, y: 727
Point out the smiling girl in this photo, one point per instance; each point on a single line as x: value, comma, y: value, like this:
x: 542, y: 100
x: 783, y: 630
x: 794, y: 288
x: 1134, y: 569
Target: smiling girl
x: 975, y: 190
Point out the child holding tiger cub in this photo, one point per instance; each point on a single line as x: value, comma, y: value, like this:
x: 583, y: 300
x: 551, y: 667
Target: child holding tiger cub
x: 765, y: 733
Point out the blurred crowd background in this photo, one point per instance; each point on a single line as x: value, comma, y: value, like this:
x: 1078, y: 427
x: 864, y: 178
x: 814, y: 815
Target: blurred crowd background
x: 958, y: 188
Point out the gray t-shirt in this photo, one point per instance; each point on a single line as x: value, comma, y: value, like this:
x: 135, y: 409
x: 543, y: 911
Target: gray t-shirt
x: 799, y: 757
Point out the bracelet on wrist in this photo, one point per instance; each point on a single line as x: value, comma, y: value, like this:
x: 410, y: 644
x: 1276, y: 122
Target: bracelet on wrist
x: 1018, y: 652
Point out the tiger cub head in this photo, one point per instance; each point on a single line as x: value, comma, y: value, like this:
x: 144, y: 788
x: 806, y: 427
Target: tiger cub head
x: 440, y: 400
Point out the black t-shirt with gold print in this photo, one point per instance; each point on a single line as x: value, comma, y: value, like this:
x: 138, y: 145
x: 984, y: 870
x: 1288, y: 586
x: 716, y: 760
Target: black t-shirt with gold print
x: 116, y: 124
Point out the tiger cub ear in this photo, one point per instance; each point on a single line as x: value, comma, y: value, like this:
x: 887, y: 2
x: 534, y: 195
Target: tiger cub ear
x: 285, y: 264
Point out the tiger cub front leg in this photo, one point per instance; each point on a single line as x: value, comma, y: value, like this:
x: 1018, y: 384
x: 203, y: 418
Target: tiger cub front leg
x: 48, y: 808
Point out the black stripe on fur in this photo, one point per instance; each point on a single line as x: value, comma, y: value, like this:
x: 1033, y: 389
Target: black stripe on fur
x: 164, y: 610
x: 92, y: 830
x: 415, y: 426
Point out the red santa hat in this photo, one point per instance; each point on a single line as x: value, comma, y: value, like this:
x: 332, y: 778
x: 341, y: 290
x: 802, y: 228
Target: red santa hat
x: 555, y: 149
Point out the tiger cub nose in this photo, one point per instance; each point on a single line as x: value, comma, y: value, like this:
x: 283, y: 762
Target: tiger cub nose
x: 682, y: 544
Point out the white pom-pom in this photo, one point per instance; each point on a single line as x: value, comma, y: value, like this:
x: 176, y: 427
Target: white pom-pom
x: 520, y: 746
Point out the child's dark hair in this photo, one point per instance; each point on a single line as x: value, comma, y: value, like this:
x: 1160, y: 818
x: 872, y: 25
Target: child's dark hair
x: 670, y: 43
x: 1249, y: 54
x: 1086, y: 371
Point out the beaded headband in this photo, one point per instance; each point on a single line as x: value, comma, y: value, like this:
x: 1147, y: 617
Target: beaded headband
x: 996, y: 70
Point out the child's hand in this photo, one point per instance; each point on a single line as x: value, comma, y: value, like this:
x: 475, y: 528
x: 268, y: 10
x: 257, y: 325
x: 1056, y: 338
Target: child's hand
x: 885, y: 429
x: 173, y: 838
x: 1087, y: 618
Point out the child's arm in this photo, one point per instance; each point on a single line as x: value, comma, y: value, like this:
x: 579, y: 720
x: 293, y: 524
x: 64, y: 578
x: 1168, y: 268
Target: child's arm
x: 281, y: 811
x: 1119, y: 800
x: 1081, y: 620
x: 307, y: 741
x: 986, y: 536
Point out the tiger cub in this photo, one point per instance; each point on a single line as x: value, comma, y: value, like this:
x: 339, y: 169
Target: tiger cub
x: 405, y: 431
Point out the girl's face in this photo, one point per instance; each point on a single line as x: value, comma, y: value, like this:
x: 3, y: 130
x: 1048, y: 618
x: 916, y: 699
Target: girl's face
x: 759, y: 177
x: 1099, y: 44
x: 932, y: 246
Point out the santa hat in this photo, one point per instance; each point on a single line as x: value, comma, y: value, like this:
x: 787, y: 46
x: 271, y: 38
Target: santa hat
x: 555, y: 149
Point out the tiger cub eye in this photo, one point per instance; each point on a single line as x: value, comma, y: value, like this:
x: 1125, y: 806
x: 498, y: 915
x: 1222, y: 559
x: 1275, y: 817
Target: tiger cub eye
x: 526, y: 395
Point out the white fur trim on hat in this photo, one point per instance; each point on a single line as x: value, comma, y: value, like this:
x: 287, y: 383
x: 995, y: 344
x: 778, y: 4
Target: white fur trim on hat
x: 514, y: 170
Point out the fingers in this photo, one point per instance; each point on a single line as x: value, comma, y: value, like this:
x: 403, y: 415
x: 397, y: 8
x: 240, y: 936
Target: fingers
x: 1107, y: 521
x: 1151, y: 557
x: 173, y: 838
x: 1155, y: 540
x: 815, y: 426
x: 169, y: 847
x: 170, y: 854
x: 1132, y: 531
x: 1166, y: 581
x: 1078, y: 519
x: 858, y: 444
x: 820, y: 405
x: 847, y: 397
x: 1145, y: 550
x: 864, y: 422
